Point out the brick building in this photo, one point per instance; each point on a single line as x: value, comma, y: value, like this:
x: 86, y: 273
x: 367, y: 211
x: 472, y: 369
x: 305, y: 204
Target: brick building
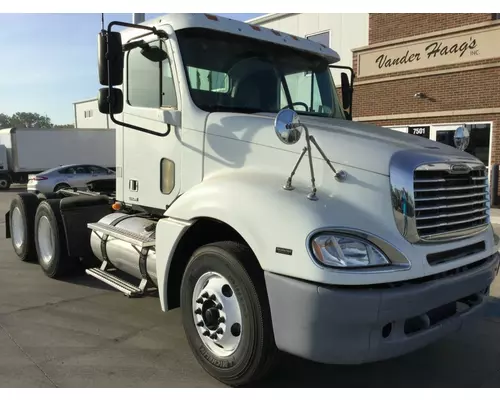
x: 427, y: 74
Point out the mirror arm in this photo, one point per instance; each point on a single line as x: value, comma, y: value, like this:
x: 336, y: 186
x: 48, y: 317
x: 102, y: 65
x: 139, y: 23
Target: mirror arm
x: 138, y: 128
x: 111, y: 96
x: 339, y: 175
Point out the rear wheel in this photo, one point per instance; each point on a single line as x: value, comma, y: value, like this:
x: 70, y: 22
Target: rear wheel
x: 60, y: 186
x: 22, y: 217
x: 50, y: 241
x: 4, y: 182
x: 226, y: 313
x: 48, y: 195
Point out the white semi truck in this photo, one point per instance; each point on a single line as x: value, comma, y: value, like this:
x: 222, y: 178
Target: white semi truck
x: 247, y: 196
x: 31, y: 151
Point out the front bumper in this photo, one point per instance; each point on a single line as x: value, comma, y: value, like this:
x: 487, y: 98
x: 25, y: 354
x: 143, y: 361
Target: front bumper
x: 340, y: 325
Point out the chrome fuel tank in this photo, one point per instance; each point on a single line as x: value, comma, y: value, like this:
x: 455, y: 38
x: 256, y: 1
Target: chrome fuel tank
x: 123, y: 255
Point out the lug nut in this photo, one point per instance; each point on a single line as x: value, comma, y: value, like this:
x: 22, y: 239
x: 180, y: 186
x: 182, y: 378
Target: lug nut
x: 219, y: 306
x: 205, y: 295
x: 199, y: 301
x: 219, y: 331
x: 206, y: 333
x: 197, y: 311
x: 222, y: 320
x: 213, y: 336
x: 200, y: 323
x: 212, y: 297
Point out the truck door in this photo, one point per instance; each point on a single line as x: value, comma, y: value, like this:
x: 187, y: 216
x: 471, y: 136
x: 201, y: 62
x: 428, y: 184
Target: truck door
x: 151, y: 164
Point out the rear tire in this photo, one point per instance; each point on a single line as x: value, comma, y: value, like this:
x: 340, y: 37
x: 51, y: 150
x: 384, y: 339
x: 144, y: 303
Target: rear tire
x: 22, y: 221
x: 4, y: 182
x: 48, y: 196
x: 223, y: 291
x: 50, y: 241
x: 60, y: 186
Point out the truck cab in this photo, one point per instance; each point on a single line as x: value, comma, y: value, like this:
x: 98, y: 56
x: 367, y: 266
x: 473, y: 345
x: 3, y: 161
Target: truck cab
x: 247, y: 196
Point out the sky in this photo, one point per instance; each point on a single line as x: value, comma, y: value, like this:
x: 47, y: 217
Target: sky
x: 49, y: 61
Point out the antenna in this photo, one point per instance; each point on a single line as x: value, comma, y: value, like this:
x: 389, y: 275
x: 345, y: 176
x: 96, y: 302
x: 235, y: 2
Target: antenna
x: 102, y: 21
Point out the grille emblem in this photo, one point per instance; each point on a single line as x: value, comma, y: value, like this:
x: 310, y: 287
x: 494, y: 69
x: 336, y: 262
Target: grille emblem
x: 459, y: 169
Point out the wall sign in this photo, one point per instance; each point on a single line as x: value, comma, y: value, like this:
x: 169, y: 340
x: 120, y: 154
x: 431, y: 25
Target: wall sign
x: 423, y: 131
x: 448, y: 49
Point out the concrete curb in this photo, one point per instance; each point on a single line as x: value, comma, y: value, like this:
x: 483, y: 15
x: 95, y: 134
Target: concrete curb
x: 495, y: 219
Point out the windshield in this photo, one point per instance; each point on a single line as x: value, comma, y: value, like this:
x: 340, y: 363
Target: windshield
x: 233, y: 73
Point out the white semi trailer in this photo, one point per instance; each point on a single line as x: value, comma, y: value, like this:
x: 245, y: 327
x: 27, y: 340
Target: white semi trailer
x: 31, y: 151
x: 247, y: 196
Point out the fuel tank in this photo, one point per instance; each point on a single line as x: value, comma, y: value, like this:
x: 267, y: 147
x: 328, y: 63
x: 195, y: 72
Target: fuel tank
x: 123, y: 255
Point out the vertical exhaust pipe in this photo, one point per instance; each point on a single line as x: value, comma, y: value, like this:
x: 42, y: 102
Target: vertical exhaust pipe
x: 138, y: 18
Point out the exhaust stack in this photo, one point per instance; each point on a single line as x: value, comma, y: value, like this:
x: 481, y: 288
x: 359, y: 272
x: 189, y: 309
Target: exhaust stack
x: 138, y: 18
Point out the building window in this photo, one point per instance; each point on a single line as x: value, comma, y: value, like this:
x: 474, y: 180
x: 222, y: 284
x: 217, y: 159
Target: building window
x: 322, y: 38
x: 150, y: 84
x: 87, y: 114
x: 496, y: 16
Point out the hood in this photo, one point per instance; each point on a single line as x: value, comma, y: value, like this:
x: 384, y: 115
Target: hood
x: 348, y: 143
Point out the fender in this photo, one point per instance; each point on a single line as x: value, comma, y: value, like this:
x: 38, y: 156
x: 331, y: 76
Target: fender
x: 276, y: 223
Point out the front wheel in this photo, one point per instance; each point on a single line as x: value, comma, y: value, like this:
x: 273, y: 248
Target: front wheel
x: 226, y: 314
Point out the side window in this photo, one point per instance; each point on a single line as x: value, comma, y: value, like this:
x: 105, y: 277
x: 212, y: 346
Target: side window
x: 212, y: 81
x: 81, y: 170
x: 303, y: 88
x: 168, y: 97
x: 67, y: 171
x: 94, y: 169
x: 149, y: 84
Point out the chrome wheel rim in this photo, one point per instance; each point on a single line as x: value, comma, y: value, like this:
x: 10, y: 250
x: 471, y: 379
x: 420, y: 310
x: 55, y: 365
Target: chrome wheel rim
x: 217, y: 314
x: 3, y: 183
x: 17, y: 227
x: 45, y: 240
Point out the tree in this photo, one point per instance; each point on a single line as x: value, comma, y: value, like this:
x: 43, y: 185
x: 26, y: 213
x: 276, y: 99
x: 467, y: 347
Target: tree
x: 30, y: 120
x: 64, y: 126
x: 4, y: 121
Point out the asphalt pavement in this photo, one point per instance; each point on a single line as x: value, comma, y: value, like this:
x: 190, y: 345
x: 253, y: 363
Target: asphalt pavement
x: 80, y: 333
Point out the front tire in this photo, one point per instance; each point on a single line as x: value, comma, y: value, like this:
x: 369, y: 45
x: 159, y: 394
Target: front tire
x: 50, y: 240
x: 226, y: 314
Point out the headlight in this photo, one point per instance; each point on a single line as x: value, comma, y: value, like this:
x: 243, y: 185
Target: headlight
x: 338, y: 250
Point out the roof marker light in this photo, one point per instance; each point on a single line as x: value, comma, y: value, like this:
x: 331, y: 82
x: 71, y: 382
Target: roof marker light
x: 255, y: 28
x: 212, y: 17
x: 275, y: 32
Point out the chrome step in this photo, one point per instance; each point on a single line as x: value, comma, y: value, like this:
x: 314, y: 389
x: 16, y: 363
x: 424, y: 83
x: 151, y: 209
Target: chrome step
x: 123, y: 286
x: 122, y: 234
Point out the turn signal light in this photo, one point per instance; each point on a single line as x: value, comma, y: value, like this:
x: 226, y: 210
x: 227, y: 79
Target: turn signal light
x: 116, y: 206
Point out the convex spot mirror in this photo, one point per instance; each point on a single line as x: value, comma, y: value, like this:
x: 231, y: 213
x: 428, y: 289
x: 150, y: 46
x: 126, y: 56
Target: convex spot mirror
x: 103, y: 101
x: 461, y: 138
x: 112, y: 52
x: 154, y: 53
x: 283, y: 126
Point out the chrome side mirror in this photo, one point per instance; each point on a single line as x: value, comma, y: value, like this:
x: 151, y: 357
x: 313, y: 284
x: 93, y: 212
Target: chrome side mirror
x: 461, y: 138
x: 285, y: 126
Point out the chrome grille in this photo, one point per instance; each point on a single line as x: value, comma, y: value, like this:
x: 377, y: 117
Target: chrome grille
x: 447, y: 201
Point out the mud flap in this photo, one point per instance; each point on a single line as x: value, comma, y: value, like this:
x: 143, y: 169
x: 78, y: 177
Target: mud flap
x: 76, y: 212
x: 7, y: 225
